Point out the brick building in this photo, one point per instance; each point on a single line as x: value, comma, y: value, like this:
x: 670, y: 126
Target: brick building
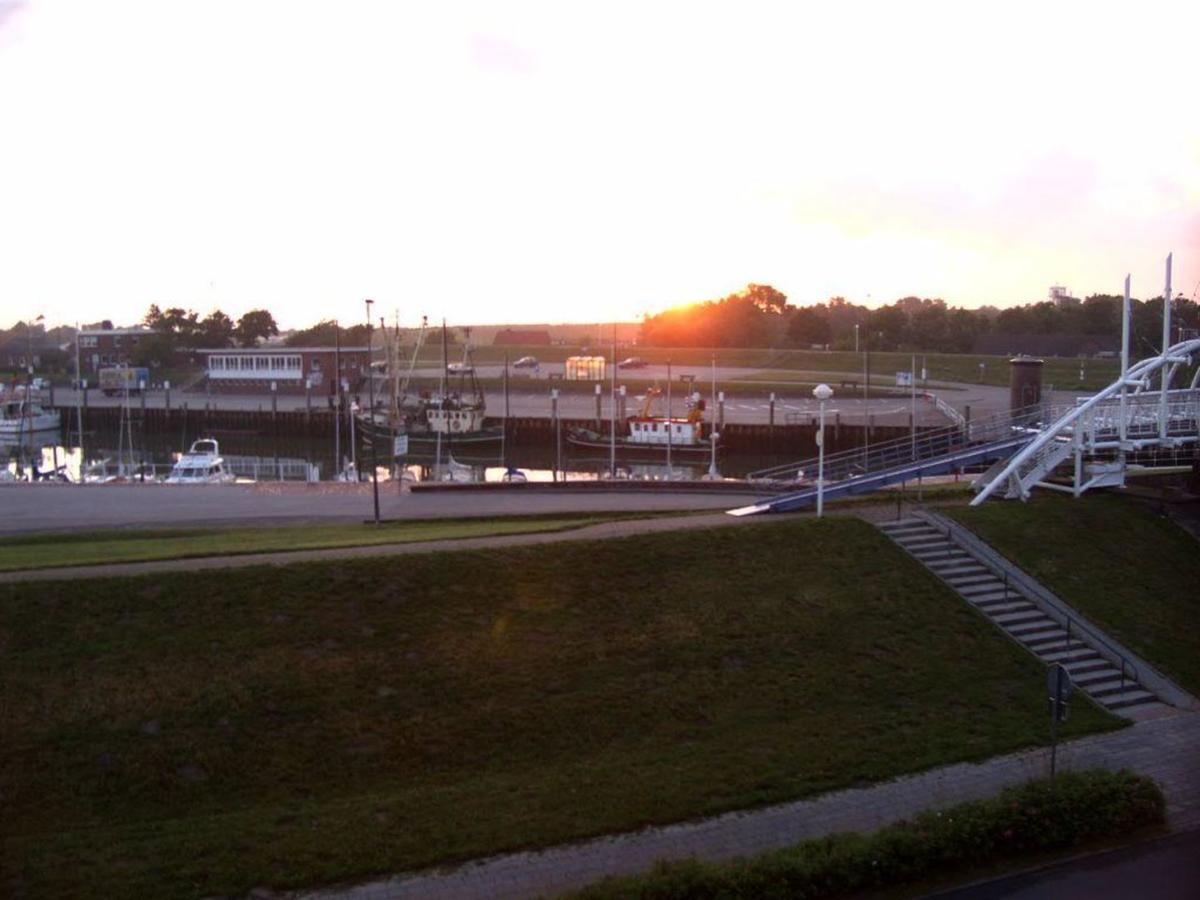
x: 293, y: 370
x: 103, y: 347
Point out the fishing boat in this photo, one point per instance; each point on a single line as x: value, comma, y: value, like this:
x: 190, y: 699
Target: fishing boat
x: 24, y: 416
x: 202, y: 464
x: 651, y: 435
x: 453, y: 417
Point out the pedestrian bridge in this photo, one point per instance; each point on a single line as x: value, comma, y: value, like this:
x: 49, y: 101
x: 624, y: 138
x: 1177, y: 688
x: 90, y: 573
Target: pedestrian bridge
x: 1083, y: 445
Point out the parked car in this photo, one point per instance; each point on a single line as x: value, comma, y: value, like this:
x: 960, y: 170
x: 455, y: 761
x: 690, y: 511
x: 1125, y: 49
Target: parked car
x: 460, y: 368
x: 526, y: 362
x: 633, y: 362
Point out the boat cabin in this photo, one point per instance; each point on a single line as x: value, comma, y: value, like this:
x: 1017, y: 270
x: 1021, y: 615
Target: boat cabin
x: 656, y: 430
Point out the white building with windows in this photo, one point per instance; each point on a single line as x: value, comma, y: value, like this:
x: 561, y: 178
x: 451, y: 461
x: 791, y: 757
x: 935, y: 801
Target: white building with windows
x: 289, y: 369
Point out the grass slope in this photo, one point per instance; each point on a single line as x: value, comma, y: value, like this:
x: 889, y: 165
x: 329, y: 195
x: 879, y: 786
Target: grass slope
x: 1130, y: 571
x: 195, y: 734
x: 48, y: 550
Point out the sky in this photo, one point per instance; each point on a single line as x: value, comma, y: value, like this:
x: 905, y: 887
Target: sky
x: 549, y: 161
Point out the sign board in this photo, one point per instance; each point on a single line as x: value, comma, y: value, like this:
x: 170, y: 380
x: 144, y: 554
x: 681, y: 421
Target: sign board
x: 1060, y: 688
x: 400, y: 445
x: 904, y: 379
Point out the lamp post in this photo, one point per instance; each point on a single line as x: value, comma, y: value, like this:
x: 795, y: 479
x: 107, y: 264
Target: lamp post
x: 822, y: 392
x: 371, y: 400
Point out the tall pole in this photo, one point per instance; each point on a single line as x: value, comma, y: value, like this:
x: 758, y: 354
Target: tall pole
x: 712, y: 428
x: 1166, y: 342
x: 821, y: 465
x: 612, y: 424
x: 337, y: 398
x: 913, y: 423
x: 371, y: 400
x: 822, y: 392
x: 78, y: 403
x: 867, y: 398
x: 504, y: 434
x: 670, y: 468
x: 1124, y: 369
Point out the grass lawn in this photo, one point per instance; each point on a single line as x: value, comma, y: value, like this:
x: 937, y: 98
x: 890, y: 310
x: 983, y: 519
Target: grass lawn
x: 48, y: 550
x: 1134, y: 573
x: 198, y: 734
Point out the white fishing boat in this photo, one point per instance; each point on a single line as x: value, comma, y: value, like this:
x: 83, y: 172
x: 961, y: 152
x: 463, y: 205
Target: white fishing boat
x: 21, y: 416
x: 202, y: 464
x: 653, y: 435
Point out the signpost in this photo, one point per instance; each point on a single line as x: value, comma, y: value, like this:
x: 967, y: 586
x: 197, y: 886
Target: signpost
x: 1060, y: 688
x: 400, y: 445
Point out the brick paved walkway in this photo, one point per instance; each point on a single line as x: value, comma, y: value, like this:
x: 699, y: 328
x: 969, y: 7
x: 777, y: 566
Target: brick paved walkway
x: 1167, y: 749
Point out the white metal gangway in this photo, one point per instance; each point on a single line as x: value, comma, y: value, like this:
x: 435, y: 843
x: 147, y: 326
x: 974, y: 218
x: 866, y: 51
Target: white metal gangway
x: 1099, y: 431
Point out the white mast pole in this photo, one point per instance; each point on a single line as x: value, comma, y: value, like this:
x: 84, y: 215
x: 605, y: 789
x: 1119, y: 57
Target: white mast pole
x: 712, y: 428
x: 1124, y: 369
x: 1166, y: 342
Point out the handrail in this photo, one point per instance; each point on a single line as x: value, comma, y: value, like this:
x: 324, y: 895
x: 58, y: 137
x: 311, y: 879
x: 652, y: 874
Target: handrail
x: 888, y: 454
x: 973, y: 544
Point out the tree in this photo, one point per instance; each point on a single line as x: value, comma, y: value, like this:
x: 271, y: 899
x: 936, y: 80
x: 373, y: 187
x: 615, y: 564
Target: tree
x: 257, y: 324
x: 322, y: 335
x: 809, y: 325
x: 216, y: 331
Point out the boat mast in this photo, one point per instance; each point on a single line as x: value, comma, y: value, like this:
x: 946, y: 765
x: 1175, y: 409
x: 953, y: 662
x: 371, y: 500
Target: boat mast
x: 78, y: 403
x: 670, y: 469
x: 437, y: 472
x: 612, y: 409
x: 337, y: 393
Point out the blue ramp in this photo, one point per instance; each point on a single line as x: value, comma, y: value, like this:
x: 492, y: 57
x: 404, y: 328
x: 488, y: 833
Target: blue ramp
x: 946, y: 463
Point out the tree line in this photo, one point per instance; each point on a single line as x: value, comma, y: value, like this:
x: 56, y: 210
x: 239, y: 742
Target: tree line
x: 760, y: 316
x: 175, y: 333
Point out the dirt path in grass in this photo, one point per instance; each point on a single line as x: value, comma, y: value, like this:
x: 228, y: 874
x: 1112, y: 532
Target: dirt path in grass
x: 598, y: 531
x: 1166, y: 749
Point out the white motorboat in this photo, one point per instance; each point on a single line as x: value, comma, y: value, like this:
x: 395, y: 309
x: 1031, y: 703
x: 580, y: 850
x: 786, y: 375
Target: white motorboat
x: 20, y: 416
x: 202, y: 464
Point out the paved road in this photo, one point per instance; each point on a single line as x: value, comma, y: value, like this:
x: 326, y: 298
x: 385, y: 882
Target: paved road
x: 1167, y: 869
x: 51, y: 507
x: 1166, y: 749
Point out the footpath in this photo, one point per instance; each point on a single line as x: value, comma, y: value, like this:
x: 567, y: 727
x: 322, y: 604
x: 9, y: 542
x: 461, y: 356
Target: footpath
x: 600, y: 531
x: 1166, y: 749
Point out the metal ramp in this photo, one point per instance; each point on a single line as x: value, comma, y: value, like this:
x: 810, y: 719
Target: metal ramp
x: 950, y: 461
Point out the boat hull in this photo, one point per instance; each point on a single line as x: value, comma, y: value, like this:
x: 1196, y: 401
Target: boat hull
x: 628, y: 448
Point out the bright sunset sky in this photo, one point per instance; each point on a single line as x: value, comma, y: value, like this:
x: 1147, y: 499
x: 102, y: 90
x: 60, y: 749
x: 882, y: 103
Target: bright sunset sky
x: 561, y: 161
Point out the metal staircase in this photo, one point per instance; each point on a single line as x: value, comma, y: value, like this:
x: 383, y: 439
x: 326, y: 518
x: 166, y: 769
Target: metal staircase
x: 1053, y: 635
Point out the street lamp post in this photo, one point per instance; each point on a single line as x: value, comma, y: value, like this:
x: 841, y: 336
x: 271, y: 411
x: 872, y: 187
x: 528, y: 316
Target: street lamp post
x: 371, y: 400
x: 822, y: 392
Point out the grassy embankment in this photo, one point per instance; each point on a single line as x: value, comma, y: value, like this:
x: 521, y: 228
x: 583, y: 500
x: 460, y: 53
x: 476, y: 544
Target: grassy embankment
x: 51, y: 550
x: 1130, y: 571
x: 196, y: 734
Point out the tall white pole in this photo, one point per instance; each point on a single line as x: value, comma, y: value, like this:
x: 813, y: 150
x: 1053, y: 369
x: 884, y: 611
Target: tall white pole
x: 1124, y: 367
x: 821, y: 466
x: 712, y: 428
x: 670, y: 469
x: 1166, y: 342
x: 79, y: 402
x: 612, y: 410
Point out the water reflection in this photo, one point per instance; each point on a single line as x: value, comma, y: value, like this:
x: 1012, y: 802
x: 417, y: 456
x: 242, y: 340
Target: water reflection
x: 149, y: 455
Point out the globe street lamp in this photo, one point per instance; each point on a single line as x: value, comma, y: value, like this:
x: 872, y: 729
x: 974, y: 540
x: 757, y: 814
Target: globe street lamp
x: 822, y: 392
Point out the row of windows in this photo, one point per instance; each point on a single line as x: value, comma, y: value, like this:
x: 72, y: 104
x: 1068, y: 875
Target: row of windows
x: 253, y: 363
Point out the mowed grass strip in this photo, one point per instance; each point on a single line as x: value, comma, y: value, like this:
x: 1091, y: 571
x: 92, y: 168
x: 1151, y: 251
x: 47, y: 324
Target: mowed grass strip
x: 47, y: 550
x: 1132, y: 572
x: 202, y: 734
